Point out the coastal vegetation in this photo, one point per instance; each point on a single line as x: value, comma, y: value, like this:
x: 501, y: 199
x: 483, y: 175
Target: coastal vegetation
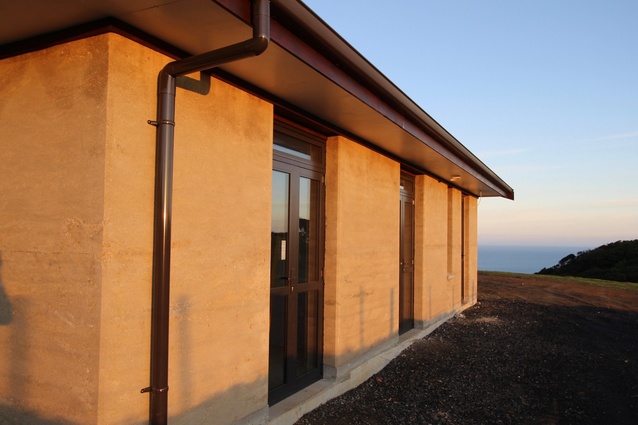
x: 617, y: 261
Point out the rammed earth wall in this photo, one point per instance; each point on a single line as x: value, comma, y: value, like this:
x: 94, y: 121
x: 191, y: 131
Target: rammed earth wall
x: 76, y: 233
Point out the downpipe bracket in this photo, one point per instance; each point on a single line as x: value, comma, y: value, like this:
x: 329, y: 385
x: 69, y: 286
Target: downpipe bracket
x: 162, y: 122
x: 153, y: 390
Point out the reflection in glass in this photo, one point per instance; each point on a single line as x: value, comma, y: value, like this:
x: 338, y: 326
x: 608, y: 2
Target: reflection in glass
x: 406, y: 288
x: 407, y: 185
x: 284, y: 149
x: 277, y: 353
x: 408, y: 231
x: 279, y: 229
x: 308, y: 229
x: 290, y: 145
x: 307, y: 332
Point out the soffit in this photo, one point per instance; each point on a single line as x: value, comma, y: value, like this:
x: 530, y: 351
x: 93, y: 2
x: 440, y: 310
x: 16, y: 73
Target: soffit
x: 197, y: 26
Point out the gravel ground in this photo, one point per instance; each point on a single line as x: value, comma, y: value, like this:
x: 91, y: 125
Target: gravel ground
x: 532, y: 351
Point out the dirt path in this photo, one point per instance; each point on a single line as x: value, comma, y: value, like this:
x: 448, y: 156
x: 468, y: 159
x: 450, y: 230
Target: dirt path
x: 532, y: 351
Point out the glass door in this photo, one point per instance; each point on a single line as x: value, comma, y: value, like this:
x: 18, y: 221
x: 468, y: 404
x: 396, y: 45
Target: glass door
x: 406, y: 261
x: 463, y: 251
x: 296, y: 281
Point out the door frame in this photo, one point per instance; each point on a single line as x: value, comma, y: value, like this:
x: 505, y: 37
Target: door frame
x: 287, y: 158
x: 406, y: 262
x: 464, y: 250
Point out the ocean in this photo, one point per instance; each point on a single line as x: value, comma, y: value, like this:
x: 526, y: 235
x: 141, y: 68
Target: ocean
x: 522, y: 259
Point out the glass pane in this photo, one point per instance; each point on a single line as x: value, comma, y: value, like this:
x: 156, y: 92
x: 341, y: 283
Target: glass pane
x: 289, y: 151
x: 408, y: 232
x: 277, y: 356
x: 279, y: 229
x: 407, y: 185
x: 308, y: 229
x: 293, y: 146
x: 307, y: 332
x: 406, y: 289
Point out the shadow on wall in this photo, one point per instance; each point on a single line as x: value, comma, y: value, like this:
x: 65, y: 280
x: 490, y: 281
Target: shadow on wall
x: 12, y: 414
x: 6, y: 315
x: 212, y: 410
x: 232, y: 401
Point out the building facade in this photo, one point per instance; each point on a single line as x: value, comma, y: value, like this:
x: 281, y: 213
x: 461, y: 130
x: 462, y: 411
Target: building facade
x: 312, y: 232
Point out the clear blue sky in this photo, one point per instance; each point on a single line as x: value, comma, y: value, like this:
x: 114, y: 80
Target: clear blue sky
x: 545, y: 92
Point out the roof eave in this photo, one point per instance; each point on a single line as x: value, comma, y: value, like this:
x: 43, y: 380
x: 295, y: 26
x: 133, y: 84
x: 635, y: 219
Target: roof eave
x: 294, y: 15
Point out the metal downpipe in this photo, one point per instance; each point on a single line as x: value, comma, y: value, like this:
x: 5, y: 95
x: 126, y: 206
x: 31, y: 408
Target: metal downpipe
x: 164, y: 190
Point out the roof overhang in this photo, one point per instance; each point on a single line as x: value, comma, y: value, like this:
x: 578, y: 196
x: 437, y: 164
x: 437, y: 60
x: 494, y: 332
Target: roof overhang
x: 308, y: 66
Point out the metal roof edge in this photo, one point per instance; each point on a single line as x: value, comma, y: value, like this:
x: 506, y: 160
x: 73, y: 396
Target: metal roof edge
x: 366, y: 71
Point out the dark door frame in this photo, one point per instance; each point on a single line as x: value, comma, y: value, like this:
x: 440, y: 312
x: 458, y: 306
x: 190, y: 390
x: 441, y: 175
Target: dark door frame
x: 464, y: 297
x: 301, y: 156
x: 406, y: 253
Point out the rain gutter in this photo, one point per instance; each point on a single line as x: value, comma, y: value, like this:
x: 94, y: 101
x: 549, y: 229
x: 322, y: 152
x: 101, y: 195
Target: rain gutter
x: 164, y: 190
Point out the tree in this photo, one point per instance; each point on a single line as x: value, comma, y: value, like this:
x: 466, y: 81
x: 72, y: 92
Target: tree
x: 615, y: 261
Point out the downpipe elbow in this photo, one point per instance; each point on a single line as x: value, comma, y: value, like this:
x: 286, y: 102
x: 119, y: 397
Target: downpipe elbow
x: 258, y: 45
x: 261, y: 26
